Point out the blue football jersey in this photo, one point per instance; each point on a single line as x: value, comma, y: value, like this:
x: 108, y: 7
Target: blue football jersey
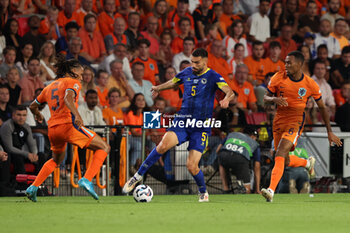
x: 199, y: 92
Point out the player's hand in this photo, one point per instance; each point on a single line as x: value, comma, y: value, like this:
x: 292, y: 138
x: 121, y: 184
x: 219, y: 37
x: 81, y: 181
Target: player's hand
x: 224, y: 103
x: 334, y: 139
x: 281, y: 101
x: 39, y: 118
x: 33, y: 157
x: 78, y: 121
x: 154, y: 91
x: 3, y: 156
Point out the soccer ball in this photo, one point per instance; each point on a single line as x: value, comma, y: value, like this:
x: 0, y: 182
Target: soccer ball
x: 143, y: 193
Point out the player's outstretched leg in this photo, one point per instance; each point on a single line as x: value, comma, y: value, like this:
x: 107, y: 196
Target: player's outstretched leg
x: 45, y: 171
x: 309, y: 164
x: 192, y: 166
x: 101, y: 151
x: 168, y: 141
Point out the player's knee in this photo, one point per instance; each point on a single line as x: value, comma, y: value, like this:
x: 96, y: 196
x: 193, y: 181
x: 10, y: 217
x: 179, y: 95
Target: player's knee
x: 192, y: 168
x: 162, y: 148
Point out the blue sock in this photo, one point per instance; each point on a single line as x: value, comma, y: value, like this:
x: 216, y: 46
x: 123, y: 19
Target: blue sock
x: 199, y: 178
x: 149, y: 161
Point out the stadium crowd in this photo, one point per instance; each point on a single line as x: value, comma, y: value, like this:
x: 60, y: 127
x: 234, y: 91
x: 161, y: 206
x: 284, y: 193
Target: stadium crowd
x: 127, y: 46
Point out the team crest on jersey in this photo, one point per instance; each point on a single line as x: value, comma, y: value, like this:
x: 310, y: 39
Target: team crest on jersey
x: 76, y: 86
x: 204, y: 81
x: 151, y: 66
x: 302, y: 92
x: 188, y: 79
x: 246, y: 91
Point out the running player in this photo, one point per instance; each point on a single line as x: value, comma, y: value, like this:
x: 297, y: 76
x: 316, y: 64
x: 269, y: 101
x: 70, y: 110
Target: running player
x: 290, y: 90
x: 66, y: 126
x: 200, y: 84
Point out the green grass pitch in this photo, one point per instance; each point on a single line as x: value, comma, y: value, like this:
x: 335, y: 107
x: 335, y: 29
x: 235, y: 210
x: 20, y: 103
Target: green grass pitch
x: 224, y: 213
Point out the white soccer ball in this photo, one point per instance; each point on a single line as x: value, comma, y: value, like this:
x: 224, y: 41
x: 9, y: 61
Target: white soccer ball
x: 143, y: 193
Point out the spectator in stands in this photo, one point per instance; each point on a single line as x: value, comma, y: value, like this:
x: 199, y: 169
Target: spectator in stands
x: 5, y: 13
x: 238, y: 57
x: 47, y: 56
x: 227, y: 17
x: 151, y: 35
x: 235, y: 157
x: 117, y: 36
x: 171, y: 96
x: 185, y: 31
x: 342, y: 116
x: 9, y: 61
x: 340, y: 28
x: 274, y: 63
x: 74, y: 48
x: 113, y: 115
x: 309, y: 41
x: 125, y: 8
x: 40, y: 134
x: 261, y: 90
x: 6, y: 184
x: 132, y: 32
x: 11, y: 34
x: 292, y: 14
x: 218, y: 11
x: 217, y: 62
x: 18, y: 141
x: 188, y: 46
x: 160, y: 11
x: 235, y: 35
x: 287, y: 43
x: 90, y: 112
x: 164, y: 55
x: 323, y: 37
x: 102, y: 91
x: 310, y: 21
x: 326, y: 90
x: 341, y: 70
x: 71, y: 29
x: 305, y: 50
x: 48, y: 26
x: 259, y: 23
x: 23, y: 56
x: 14, y: 89
x: 322, y: 55
x: 341, y: 95
x: 119, y: 80
x: 86, y: 7
x: 184, y: 64
x: 87, y: 83
x: 333, y: 10
x: 139, y: 85
x: 182, y: 10
x: 68, y: 14
x: 5, y: 108
x: 94, y: 49
x: 107, y: 17
x: 277, y: 18
x: 31, y: 81
x: 33, y: 35
x: 245, y: 90
x: 151, y: 68
x: 203, y: 16
x: 120, y: 52
x: 256, y: 64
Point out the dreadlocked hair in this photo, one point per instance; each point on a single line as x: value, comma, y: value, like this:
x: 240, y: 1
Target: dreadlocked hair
x: 65, y: 67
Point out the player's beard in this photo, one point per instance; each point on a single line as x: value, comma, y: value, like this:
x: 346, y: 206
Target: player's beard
x: 199, y: 71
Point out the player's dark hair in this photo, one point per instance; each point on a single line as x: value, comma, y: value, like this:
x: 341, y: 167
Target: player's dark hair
x: 89, y: 16
x: 65, y: 67
x: 90, y: 92
x: 200, y: 52
x: 70, y: 25
x: 298, y: 56
x: 275, y: 44
x: 345, y: 50
x: 20, y: 108
x: 257, y: 42
x: 112, y: 90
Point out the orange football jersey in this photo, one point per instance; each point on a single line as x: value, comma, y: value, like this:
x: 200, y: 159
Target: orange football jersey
x: 54, y: 94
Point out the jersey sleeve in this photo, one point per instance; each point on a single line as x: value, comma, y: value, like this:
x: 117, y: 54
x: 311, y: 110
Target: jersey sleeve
x: 42, y: 97
x: 315, y: 91
x: 220, y: 81
x: 73, y: 85
x: 179, y: 78
x: 273, y: 84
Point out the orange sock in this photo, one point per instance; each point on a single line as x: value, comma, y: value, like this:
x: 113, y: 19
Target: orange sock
x: 45, y: 171
x: 295, y: 161
x: 277, y: 172
x: 97, y: 161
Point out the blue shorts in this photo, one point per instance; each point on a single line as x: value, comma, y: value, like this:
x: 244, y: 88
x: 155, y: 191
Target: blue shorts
x: 198, y: 138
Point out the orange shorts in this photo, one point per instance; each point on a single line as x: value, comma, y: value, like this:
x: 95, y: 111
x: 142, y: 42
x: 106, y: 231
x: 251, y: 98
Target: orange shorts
x: 60, y: 135
x: 289, y: 132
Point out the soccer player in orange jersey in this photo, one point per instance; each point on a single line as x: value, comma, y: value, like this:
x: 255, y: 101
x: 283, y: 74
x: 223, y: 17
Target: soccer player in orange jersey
x: 66, y: 126
x: 290, y: 90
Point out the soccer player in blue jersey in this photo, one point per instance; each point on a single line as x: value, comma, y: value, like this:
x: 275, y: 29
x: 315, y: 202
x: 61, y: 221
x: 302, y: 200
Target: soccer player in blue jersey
x: 200, y: 84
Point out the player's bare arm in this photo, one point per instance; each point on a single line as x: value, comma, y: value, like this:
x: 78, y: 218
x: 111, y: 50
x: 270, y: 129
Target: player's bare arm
x: 332, y: 138
x: 280, y: 101
x: 34, y: 108
x: 69, y: 101
x: 168, y: 85
x: 229, y: 96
